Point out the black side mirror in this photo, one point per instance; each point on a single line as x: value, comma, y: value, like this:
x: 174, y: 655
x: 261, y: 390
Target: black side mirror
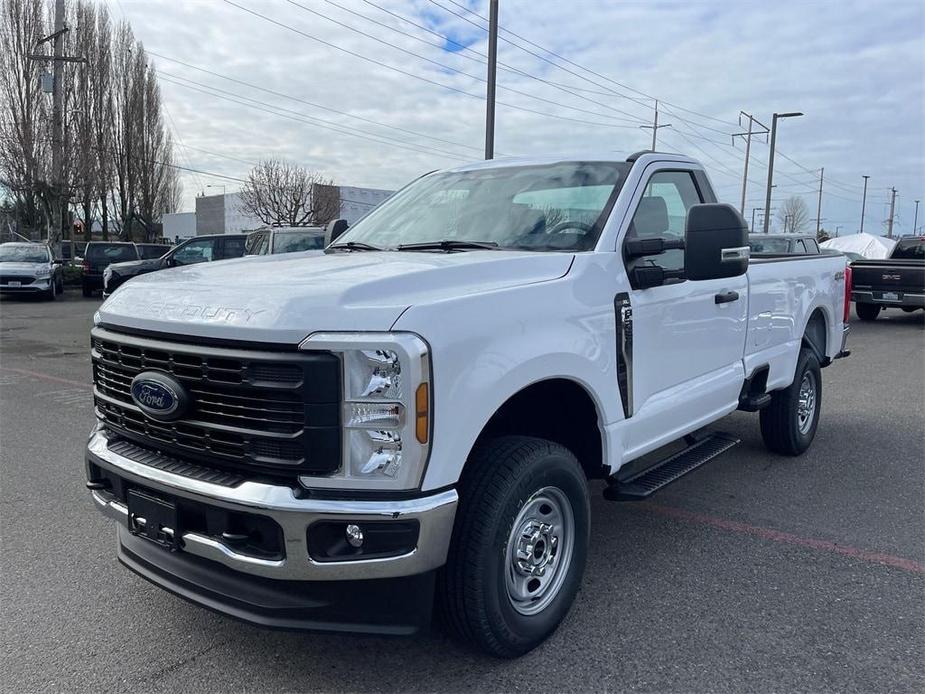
x: 334, y: 228
x: 716, y: 242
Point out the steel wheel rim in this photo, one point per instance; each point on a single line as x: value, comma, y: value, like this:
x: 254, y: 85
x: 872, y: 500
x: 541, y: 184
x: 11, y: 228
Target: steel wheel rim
x: 806, y: 402
x: 539, y: 551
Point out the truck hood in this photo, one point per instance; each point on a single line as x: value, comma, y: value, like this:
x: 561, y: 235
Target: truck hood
x: 281, y: 299
x: 131, y: 267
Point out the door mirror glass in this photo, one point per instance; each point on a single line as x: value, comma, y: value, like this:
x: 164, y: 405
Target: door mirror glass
x: 716, y: 242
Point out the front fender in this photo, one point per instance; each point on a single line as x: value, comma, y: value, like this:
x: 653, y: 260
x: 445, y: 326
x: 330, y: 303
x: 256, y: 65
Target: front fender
x: 487, y: 348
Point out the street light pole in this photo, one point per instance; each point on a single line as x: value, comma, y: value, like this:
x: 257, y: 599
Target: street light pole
x: 492, y: 77
x: 915, y: 221
x: 774, y: 119
x: 863, y: 203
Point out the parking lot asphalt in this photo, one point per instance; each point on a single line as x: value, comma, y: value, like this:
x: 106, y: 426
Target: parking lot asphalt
x: 754, y: 573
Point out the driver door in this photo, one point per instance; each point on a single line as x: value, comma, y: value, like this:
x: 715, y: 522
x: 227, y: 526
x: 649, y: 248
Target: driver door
x: 688, y: 336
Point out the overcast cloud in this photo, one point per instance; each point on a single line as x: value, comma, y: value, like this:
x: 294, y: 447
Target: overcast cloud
x: 856, y: 69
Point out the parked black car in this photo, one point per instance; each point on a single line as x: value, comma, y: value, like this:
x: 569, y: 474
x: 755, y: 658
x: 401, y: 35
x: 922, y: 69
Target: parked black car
x: 200, y: 249
x: 783, y: 244
x: 98, y: 256
x: 896, y: 282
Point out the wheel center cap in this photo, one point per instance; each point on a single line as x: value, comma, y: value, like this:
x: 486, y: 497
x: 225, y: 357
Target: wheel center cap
x: 536, y: 548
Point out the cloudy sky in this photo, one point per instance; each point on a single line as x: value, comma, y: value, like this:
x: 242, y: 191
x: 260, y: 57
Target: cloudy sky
x: 376, y: 92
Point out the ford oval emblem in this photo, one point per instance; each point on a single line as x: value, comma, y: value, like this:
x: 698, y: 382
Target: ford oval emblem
x: 158, y: 395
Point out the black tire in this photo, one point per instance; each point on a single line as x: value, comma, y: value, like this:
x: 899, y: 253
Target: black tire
x: 86, y: 291
x: 867, y: 311
x: 52, y: 292
x: 785, y: 428
x: 504, y: 478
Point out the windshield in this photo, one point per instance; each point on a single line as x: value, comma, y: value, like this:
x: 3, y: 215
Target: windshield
x: 292, y: 241
x: 24, y: 254
x: 550, y: 207
x: 111, y: 252
x: 769, y: 245
x: 909, y: 250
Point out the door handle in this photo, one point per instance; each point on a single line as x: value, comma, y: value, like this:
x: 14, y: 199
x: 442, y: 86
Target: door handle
x: 726, y: 297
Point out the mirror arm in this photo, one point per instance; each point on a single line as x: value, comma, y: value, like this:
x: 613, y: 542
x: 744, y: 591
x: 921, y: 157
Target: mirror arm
x: 636, y: 248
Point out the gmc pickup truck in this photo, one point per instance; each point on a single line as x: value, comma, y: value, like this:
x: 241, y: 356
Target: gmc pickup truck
x: 896, y: 282
x: 414, y: 418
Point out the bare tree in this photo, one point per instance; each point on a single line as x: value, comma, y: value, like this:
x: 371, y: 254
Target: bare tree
x: 24, y: 114
x: 280, y: 193
x: 793, y: 215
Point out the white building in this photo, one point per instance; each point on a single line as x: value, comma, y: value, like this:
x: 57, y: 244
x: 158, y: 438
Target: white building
x: 179, y: 225
x: 223, y: 214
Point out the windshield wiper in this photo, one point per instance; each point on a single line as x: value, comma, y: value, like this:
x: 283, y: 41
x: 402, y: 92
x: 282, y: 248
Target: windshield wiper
x: 356, y: 246
x: 449, y: 245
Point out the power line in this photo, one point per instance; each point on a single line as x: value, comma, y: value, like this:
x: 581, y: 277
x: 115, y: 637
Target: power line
x: 311, y: 103
x: 476, y: 57
x: 573, y: 63
x: 416, y: 76
x: 299, y: 117
x: 451, y: 68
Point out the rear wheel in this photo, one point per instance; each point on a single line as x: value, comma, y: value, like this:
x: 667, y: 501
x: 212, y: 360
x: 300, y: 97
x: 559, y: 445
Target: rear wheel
x: 788, y: 424
x: 867, y: 311
x: 519, y: 545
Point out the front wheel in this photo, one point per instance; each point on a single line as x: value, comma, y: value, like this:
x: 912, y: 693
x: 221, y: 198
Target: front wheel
x: 788, y: 424
x: 519, y: 545
x: 867, y: 311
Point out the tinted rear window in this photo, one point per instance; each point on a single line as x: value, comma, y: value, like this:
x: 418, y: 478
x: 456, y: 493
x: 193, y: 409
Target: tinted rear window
x: 148, y: 251
x: 910, y: 250
x: 113, y: 252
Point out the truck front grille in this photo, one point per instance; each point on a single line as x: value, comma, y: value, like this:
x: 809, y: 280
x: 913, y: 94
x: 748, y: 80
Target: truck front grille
x: 276, y: 412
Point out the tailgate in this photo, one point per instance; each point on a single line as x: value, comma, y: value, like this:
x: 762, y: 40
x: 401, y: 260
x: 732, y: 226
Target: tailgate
x: 890, y: 275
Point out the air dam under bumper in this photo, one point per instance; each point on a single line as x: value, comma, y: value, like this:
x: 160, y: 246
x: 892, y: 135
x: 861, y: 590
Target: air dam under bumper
x: 214, y: 574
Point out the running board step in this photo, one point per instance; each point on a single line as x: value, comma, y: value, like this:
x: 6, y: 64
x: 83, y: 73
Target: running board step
x: 646, y: 483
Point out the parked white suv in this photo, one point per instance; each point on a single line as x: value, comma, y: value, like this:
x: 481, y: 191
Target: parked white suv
x: 336, y: 442
x: 30, y: 268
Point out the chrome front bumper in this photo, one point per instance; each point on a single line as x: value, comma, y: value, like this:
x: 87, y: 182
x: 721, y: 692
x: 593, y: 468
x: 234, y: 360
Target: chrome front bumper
x: 435, y: 514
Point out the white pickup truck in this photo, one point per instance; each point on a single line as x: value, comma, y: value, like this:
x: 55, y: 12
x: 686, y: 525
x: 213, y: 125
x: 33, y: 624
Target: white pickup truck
x: 412, y: 419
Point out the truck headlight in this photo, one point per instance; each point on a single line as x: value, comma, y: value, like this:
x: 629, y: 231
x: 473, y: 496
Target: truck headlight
x: 107, y: 275
x: 386, y: 409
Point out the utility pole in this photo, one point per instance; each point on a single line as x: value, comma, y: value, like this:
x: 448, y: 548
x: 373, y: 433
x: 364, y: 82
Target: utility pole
x: 889, y: 228
x: 863, y: 203
x: 754, y: 209
x: 819, y: 204
x: 915, y: 220
x: 837, y: 227
x: 748, y: 145
x: 655, y: 126
x: 492, y: 77
x: 57, y: 186
x: 776, y: 117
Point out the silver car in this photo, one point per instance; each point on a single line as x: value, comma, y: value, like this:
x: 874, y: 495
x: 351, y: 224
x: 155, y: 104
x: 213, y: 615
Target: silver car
x: 30, y: 268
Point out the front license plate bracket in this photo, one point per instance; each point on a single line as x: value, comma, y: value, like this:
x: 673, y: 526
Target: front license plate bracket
x: 153, y: 518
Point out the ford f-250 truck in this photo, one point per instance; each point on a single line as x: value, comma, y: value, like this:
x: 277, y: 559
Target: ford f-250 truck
x: 339, y: 442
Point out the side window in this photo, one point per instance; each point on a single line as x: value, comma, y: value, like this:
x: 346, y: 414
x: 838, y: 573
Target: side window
x: 662, y: 212
x: 799, y: 247
x: 195, y: 252
x: 812, y: 246
x: 233, y: 247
